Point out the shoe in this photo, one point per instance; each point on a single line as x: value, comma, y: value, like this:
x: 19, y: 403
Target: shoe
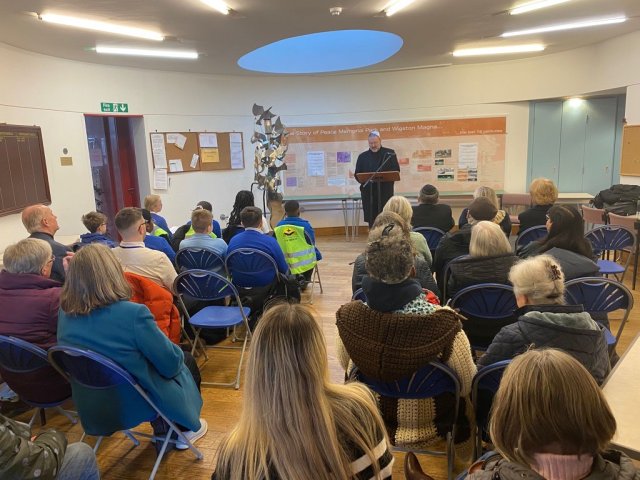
x: 192, y: 436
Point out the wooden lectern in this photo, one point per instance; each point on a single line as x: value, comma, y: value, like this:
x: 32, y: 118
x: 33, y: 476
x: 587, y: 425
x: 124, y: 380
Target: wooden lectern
x: 377, y: 177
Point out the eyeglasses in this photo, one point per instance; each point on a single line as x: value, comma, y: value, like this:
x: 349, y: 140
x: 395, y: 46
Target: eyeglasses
x: 548, y: 217
x: 52, y: 259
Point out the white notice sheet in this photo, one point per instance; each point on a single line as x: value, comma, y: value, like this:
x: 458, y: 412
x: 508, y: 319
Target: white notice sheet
x: 235, y: 145
x: 208, y: 140
x: 158, y: 151
x: 160, y: 179
x: 468, y: 155
x: 315, y: 164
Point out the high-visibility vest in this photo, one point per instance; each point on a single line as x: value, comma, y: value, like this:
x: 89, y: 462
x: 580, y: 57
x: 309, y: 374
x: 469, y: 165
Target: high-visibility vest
x: 158, y: 232
x: 300, y: 256
x: 191, y: 232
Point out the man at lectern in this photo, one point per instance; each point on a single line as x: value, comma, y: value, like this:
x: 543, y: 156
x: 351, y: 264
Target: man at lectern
x: 381, y: 159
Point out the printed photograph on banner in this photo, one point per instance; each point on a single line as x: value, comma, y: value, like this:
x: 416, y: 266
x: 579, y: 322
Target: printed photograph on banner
x: 291, y: 182
x: 463, y: 175
x: 344, y: 157
x: 439, y: 161
x: 424, y: 168
x: 472, y: 175
x: 446, y: 174
x: 403, y: 161
x: 422, y: 154
x: 443, y: 153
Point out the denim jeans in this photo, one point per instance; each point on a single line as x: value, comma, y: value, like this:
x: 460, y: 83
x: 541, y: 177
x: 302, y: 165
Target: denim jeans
x: 79, y: 463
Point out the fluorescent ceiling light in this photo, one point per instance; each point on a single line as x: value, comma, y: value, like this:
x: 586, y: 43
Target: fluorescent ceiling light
x: 470, y: 52
x: 566, y: 26
x: 395, y: 7
x: 218, y: 5
x: 101, y: 26
x: 148, y: 52
x: 536, y: 5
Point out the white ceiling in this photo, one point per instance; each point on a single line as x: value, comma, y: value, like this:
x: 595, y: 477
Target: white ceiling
x: 431, y: 29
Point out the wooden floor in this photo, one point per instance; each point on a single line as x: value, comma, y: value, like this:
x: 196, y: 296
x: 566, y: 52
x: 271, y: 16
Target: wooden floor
x: 117, y: 457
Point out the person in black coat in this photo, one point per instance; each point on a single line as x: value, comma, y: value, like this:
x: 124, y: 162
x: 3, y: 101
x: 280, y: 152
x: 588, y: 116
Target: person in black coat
x: 501, y: 218
x: 430, y: 213
x: 543, y: 195
x: 370, y: 161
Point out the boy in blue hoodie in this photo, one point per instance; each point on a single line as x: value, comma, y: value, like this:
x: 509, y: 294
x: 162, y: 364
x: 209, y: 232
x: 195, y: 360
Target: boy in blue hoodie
x: 96, y: 223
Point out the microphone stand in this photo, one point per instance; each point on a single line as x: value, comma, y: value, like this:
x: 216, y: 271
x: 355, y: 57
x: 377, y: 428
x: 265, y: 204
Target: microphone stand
x: 365, y: 184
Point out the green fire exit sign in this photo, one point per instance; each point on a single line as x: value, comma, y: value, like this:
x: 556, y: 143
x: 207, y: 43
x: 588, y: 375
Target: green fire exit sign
x: 113, y: 107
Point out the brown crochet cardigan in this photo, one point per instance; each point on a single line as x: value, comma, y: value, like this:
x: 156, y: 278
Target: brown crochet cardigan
x: 390, y: 346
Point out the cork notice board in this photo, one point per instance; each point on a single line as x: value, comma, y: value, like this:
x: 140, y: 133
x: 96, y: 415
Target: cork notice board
x: 630, y: 162
x: 195, y: 151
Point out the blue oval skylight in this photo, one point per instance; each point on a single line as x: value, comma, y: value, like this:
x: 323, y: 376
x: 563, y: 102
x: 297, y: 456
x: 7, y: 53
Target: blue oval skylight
x: 323, y: 52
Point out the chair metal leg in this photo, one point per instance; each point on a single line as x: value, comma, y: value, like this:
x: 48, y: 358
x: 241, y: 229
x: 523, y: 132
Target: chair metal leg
x: 72, y: 416
x: 161, y: 454
x: 33, y: 417
x: 97, y: 445
x: 131, y: 437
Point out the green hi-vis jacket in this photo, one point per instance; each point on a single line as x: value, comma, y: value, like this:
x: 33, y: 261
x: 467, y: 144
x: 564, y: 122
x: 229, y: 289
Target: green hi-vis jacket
x: 300, y: 256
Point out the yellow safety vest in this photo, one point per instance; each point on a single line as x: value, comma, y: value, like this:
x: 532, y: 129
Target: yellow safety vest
x: 300, y: 256
x: 157, y: 232
x: 191, y: 232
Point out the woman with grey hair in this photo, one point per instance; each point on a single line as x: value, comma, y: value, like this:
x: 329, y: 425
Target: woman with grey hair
x: 29, y: 299
x: 545, y: 321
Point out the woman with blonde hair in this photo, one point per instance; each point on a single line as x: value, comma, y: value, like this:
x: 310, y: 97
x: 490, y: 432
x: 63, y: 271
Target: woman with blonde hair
x: 400, y: 205
x: 501, y: 217
x: 544, y: 194
x: 295, y: 424
x: 95, y: 313
x: 549, y: 420
x: 545, y: 321
x: 153, y: 203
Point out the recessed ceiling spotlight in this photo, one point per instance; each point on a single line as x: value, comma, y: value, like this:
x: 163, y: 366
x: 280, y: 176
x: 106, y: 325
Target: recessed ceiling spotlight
x: 396, y: 6
x: 148, y: 52
x: 566, y: 26
x: 536, y: 5
x: 101, y: 26
x: 218, y: 5
x: 575, y: 102
x: 472, y: 52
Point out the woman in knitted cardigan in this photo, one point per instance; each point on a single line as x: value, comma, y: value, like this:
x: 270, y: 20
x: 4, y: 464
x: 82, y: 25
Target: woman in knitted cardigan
x: 397, y: 333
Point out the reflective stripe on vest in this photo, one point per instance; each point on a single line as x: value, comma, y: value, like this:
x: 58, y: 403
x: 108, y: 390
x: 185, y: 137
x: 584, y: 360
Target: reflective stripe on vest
x: 300, y: 256
x: 191, y: 232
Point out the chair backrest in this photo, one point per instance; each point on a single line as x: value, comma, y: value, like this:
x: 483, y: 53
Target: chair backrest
x: 204, y: 285
x: 530, y: 235
x: 299, y: 252
x: 593, y: 216
x: 627, y: 221
x: 610, y: 237
x: 491, y: 301
x: 509, y: 200
x: 200, y: 258
x: 359, y: 295
x: 432, y: 235
x: 446, y: 276
x: 107, y: 397
x: 483, y: 388
x: 26, y: 369
x: 244, y: 264
x: 600, y: 295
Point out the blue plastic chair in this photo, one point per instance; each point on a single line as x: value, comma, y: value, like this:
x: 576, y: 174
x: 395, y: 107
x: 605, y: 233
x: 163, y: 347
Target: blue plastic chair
x: 612, y: 238
x: 432, y: 235
x: 26, y: 369
x: 490, y: 303
x: 244, y: 264
x: 432, y: 380
x: 113, y: 399
x: 601, y: 296
x: 484, y: 387
x: 359, y: 295
x: 530, y: 235
x: 196, y: 258
x: 205, y: 285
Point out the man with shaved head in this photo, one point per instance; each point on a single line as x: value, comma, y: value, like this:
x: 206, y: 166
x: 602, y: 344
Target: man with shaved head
x: 41, y: 223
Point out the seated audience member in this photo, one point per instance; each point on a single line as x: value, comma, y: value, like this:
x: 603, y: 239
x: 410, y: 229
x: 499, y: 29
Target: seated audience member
x: 29, y: 299
x: 501, y: 218
x: 430, y: 213
x: 95, y: 313
x: 244, y: 198
x: 489, y: 261
x: 201, y: 224
x: 551, y: 421
x: 156, y: 241
x: 186, y: 230
x: 566, y: 243
x: 96, y: 223
x: 42, y: 224
x: 455, y: 244
x: 398, y: 332
x: 292, y: 211
x: 422, y: 271
x: 153, y: 203
x: 252, y: 237
x: 401, y: 206
x: 134, y: 256
x: 543, y: 195
x: 545, y: 321
x: 294, y: 422
x: 45, y: 455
